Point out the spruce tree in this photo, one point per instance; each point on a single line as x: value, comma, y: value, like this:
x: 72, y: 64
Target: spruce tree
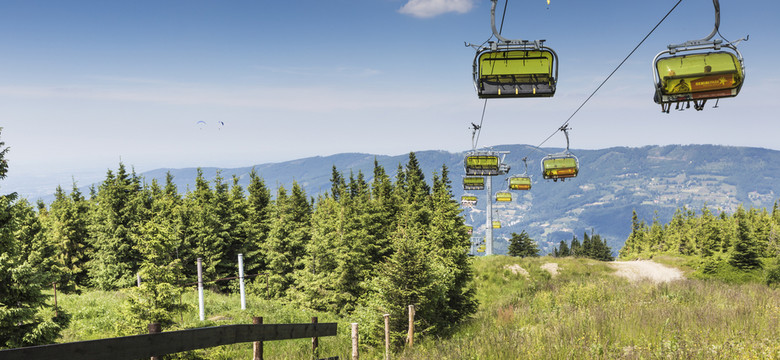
x: 114, y: 221
x: 289, y: 233
x: 521, y: 245
x: 744, y: 254
x: 257, y: 223
x: 563, y: 249
x: 25, y: 317
x: 449, y: 245
x: 161, y: 270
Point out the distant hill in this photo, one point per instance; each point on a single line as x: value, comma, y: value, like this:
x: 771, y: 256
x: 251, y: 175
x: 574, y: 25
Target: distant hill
x: 653, y: 180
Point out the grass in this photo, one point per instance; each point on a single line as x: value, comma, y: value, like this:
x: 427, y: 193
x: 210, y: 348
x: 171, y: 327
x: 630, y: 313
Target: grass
x: 584, y: 312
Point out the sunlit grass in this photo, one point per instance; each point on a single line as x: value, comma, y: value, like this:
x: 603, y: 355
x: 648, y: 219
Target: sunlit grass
x: 584, y: 312
x: 587, y: 313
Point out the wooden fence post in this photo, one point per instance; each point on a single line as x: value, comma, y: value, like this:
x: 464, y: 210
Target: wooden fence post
x: 355, y: 353
x: 314, y: 341
x: 155, y: 328
x: 257, y: 346
x: 410, y: 336
x: 56, y: 308
x: 387, y: 336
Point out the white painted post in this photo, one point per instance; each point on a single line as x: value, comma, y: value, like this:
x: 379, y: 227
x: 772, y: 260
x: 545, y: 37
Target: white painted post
x: 241, y: 280
x: 387, y: 336
x: 201, y: 311
x: 355, y: 352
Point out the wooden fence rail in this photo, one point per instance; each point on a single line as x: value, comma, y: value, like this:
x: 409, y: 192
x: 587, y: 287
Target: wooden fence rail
x: 146, y: 346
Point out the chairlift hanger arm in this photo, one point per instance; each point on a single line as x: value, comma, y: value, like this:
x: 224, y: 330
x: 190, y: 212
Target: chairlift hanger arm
x: 708, y: 39
x: 501, y: 39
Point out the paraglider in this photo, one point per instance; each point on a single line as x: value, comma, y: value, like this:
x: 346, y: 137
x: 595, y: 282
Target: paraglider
x: 201, y: 124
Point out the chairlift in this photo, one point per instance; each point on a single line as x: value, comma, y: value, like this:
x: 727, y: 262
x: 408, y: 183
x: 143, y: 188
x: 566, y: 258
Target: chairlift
x: 470, y: 229
x: 514, y: 68
x: 468, y: 200
x: 503, y: 196
x: 473, y: 183
x: 496, y: 224
x: 519, y: 182
x: 484, y: 163
x: 697, y: 71
x: 562, y: 165
x: 522, y: 181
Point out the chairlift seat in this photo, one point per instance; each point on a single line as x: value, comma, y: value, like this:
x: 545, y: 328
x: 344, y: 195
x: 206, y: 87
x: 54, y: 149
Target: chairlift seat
x: 482, y: 165
x: 503, y: 196
x: 468, y: 200
x: 473, y: 183
x: 520, y: 183
x: 496, y: 224
x: 699, y: 76
x: 516, y: 73
x: 560, y: 167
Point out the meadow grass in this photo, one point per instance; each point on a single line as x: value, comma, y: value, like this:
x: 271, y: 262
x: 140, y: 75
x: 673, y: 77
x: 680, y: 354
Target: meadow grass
x: 583, y: 313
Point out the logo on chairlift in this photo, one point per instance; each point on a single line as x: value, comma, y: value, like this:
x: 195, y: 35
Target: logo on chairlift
x: 714, y: 82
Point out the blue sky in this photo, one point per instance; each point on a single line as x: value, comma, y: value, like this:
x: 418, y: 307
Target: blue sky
x: 85, y: 84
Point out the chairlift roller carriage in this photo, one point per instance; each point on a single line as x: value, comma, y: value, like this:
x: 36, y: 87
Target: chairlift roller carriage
x: 514, y: 68
x: 562, y: 165
x: 698, y: 70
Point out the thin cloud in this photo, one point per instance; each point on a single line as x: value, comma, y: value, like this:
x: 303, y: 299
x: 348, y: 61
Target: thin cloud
x: 431, y: 8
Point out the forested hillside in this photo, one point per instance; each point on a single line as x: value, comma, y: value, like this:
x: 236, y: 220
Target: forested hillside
x: 361, y: 248
x: 654, y: 181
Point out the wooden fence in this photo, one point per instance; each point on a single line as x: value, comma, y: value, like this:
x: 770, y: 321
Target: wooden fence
x: 147, y: 346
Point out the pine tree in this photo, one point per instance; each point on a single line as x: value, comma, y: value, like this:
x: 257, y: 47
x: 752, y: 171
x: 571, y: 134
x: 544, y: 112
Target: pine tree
x: 576, y: 248
x: 317, y: 282
x: 744, y: 254
x: 161, y: 270
x: 25, y: 317
x: 287, y: 239
x: 406, y: 279
x: 522, y: 245
x: 66, y: 225
x: 114, y: 221
x: 449, y: 246
x: 257, y: 223
x: 563, y: 249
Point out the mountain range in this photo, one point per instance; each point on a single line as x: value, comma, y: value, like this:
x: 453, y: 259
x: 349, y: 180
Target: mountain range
x: 654, y: 181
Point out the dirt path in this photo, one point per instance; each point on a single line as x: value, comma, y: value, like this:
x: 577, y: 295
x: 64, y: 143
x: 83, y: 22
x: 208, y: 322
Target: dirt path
x: 646, y: 269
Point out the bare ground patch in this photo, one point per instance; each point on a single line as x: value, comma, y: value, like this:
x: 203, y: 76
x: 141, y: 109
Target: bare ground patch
x: 646, y: 269
x: 552, y: 268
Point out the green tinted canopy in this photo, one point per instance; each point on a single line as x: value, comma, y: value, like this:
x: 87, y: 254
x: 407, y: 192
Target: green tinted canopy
x: 686, y: 74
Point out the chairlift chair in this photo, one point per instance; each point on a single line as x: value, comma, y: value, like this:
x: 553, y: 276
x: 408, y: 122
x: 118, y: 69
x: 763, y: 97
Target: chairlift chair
x: 562, y: 165
x: 519, y: 182
x: 697, y: 71
x: 522, y: 181
x: 468, y: 200
x: 503, y: 196
x: 484, y: 163
x: 473, y: 183
x: 496, y: 224
x: 514, y: 68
